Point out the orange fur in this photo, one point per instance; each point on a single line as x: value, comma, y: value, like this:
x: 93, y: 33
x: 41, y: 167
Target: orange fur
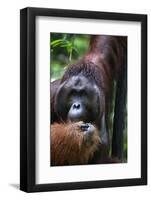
x: 70, y: 146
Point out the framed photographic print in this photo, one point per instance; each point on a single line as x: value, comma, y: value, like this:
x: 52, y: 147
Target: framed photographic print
x: 83, y: 99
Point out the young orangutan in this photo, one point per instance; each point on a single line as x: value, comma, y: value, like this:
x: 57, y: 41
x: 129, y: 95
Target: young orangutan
x: 73, y: 143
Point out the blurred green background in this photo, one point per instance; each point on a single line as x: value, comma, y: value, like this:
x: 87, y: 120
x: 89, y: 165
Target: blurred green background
x: 67, y: 48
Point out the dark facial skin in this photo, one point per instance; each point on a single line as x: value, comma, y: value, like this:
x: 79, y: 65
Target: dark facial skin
x: 88, y: 130
x: 78, y: 99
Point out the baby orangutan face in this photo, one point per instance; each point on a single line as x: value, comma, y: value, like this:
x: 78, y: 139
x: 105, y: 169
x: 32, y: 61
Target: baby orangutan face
x: 73, y: 143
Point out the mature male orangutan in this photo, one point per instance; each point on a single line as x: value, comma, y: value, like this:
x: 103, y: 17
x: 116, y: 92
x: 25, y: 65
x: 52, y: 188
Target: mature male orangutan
x: 85, y: 93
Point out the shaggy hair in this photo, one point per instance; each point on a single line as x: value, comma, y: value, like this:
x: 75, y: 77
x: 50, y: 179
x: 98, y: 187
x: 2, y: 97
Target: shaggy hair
x: 70, y: 145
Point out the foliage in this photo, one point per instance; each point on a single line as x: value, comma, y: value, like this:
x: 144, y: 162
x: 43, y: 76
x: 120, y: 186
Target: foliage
x: 65, y: 49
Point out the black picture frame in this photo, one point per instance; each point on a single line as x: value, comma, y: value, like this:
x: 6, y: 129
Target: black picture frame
x: 28, y: 98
